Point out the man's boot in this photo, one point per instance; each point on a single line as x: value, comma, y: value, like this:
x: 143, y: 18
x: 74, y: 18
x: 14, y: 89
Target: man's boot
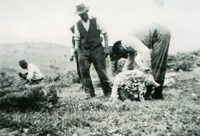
x: 158, y: 93
x: 89, y: 94
x: 147, y: 95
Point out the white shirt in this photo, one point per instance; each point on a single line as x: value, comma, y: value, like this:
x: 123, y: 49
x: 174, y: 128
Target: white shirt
x: 86, y: 25
x: 134, y: 44
x: 33, y: 72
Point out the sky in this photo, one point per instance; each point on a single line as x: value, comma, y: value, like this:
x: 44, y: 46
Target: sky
x: 50, y: 20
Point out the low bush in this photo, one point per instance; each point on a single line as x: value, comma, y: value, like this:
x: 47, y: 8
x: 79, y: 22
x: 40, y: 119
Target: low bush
x: 22, y: 98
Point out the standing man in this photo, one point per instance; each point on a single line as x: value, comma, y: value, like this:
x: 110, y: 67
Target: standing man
x: 74, y: 54
x: 151, y: 43
x: 88, y: 40
x: 33, y: 76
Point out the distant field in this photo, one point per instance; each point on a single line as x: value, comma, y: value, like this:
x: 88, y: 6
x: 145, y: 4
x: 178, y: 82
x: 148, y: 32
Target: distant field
x: 43, y: 55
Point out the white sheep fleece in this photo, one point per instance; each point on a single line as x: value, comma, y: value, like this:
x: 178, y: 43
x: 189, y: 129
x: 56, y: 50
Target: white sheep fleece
x: 120, y: 78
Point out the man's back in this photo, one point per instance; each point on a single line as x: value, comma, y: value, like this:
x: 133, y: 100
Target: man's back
x: 33, y: 72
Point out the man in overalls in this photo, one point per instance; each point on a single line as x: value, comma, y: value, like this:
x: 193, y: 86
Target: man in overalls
x: 89, y: 43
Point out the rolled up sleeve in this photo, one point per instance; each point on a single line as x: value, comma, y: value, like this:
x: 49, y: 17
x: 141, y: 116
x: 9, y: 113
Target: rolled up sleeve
x: 129, y: 62
x: 133, y: 44
x: 76, y: 33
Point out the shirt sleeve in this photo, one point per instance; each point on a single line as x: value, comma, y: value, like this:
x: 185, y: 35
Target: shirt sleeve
x: 100, y: 27
x: 129, y: 62
x: 76, y: 33
x: 133, y: 44
x: 72, y: 46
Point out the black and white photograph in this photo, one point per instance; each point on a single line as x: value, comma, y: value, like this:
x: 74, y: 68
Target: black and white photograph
x: 99, y: 68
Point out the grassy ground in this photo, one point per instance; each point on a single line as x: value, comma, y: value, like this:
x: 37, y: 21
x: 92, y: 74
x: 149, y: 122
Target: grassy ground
x: 177, y: 115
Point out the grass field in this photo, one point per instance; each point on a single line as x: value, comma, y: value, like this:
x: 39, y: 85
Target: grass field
x: 176, y: 115
x: 46, y: 56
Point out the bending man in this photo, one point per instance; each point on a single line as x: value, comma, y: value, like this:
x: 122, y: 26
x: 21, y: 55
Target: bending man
x: 34, y: 76
x: 151, y: 43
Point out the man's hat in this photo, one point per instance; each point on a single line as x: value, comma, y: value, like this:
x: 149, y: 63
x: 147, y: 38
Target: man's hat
x: 22, y: 62
x: 81, y: 9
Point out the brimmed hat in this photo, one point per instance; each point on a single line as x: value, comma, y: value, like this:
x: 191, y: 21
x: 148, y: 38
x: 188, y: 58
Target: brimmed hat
x: 81, y: 8
x: 22, y: 62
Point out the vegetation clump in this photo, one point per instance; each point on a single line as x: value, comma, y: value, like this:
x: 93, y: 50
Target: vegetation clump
x: 21, y: 97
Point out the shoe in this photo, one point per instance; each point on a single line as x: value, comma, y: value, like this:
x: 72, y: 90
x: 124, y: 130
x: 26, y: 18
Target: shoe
x: 78, y: 80
x: 81, y: 88
x: 108, y: 94
x: 157, y: 96
x: 147, y: 96
x: 104, y: 97
x: 89, y: 96
x: 158, y: 93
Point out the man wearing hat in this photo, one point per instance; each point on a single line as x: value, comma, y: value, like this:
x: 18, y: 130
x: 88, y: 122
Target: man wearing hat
x: 88, y: 40
x: 33, y: 76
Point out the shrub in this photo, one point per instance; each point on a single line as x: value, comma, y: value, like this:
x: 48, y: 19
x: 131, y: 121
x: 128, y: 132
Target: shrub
x: 22, y: 98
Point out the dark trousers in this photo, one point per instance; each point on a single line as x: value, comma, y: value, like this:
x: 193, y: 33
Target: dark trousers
x: 160, y: 52
x: 36, y: 81
x: 159, y: 55
x: 97, y: 57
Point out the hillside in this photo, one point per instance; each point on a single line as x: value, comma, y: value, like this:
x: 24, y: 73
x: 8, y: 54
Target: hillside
x: 46, y: 56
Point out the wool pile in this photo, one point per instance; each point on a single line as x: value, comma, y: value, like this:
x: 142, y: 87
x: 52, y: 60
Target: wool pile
x: 129, y: 85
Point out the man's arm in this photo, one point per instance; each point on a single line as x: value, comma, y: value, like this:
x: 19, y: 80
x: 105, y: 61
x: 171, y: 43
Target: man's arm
x: 106, y: 44
x: 22, y: 75
x: 134, y: 44
x: 105, y: 35
x: 75, y: 41
x: 76, y: 45
x: 129, y: 62
x: 72, y: 49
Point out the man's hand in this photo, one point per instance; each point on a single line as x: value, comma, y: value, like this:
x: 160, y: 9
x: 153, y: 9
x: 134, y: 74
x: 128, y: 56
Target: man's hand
x: 106, y: 54
x: 71, y: 58
x: 150, y: 81
x: 27, y: 81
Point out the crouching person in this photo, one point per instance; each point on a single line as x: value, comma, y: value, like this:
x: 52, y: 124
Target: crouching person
x: 33, y: 76
x: 151, y: 43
